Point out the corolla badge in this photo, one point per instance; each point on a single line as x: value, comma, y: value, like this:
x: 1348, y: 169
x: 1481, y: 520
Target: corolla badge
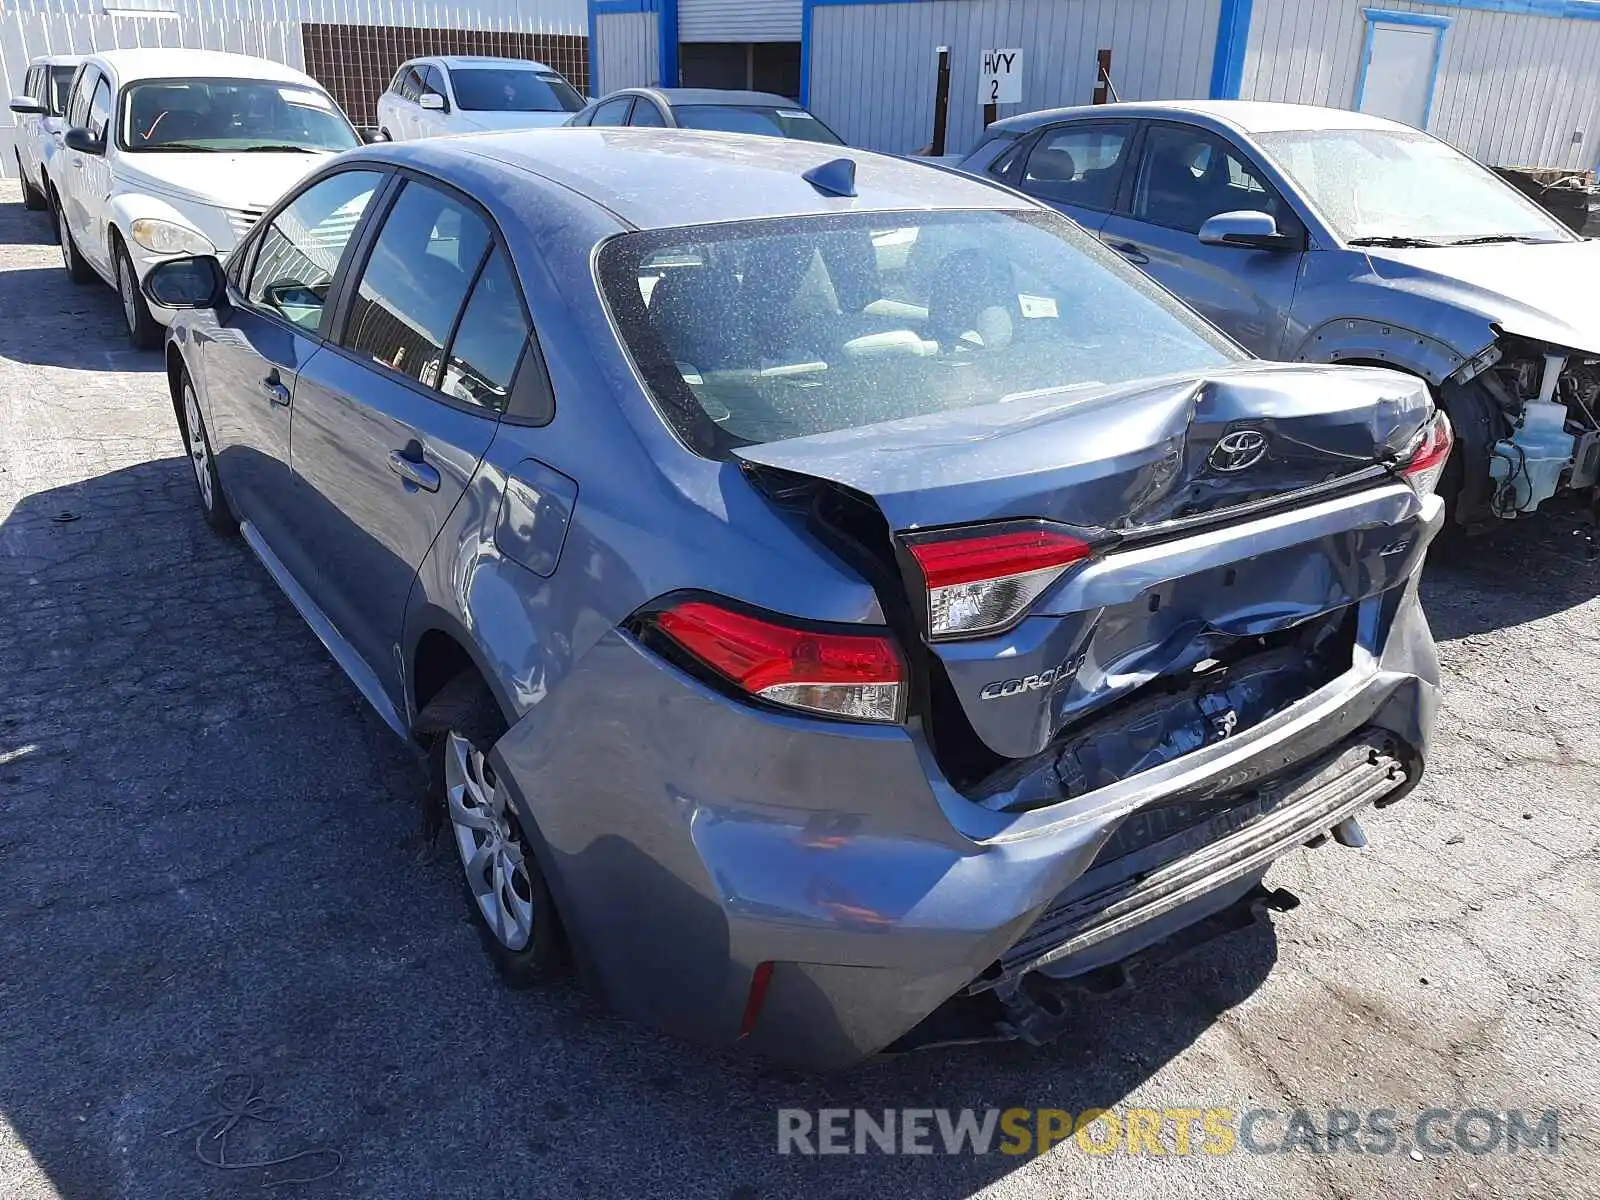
x: 1237, y: 450
x: 1002, y: 688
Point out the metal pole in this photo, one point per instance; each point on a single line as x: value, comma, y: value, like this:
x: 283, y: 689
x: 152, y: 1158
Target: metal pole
x: 941, y: 103
x: 1102, y: 79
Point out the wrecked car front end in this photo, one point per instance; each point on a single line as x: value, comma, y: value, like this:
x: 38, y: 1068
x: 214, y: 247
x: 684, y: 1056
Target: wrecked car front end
x: 1527, y: 410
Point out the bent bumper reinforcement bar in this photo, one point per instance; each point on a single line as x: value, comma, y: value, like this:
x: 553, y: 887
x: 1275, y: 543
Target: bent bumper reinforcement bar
x: 1361, y: 775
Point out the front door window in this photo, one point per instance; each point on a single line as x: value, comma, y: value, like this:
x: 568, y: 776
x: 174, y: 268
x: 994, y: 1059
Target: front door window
x: 1189, y: 176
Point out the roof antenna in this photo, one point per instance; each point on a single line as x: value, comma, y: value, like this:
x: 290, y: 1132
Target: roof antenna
x: 834, y: 178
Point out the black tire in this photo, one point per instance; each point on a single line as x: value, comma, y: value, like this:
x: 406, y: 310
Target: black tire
x: 465, y: 709
x: 32, y: 198
x: 79, y: 271
x: 144, y: 331
x: 213, y: 502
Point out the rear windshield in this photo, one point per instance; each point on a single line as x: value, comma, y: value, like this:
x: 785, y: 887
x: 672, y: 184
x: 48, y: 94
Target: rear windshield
x: 754, y: 118
x: 766, y: 330
x: 513, y: 89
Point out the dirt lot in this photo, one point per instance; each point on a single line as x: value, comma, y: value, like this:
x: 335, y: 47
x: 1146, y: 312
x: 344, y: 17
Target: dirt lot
x: 207, y: 866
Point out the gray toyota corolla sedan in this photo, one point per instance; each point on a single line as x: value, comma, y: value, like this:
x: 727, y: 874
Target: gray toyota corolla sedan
x: 843, y: 605
x: 1319, y: 235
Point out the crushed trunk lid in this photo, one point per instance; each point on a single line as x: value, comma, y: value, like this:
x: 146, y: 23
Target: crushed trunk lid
x: 1155, y: 473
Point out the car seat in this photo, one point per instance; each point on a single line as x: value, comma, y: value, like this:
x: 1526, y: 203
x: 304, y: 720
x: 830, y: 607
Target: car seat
x: 1054, y: 172
x: 970, y: 302
x: 697, y: 314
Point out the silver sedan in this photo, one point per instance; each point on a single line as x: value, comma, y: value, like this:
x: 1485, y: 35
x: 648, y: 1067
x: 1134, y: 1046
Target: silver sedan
x: 1319, y: 235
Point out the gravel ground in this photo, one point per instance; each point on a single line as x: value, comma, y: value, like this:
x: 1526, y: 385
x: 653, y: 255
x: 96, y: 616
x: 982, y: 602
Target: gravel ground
x: 208, y: 865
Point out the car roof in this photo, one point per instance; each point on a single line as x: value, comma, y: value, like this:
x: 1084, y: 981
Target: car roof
x: 56, y: 60
x: 479, y: 60
x: 659, y: 178
x: 1246, y: 116
x: 153, y: 63
x: 674, y: 96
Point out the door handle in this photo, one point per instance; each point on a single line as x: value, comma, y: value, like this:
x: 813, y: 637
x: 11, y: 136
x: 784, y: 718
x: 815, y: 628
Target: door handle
x: 77, y: 164
x: 1130, y: 252
x: 413, y: 470
x: 272, y: 388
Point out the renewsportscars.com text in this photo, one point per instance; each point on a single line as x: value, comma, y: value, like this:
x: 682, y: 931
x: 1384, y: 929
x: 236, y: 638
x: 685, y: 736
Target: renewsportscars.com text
x: 1162, y: 1131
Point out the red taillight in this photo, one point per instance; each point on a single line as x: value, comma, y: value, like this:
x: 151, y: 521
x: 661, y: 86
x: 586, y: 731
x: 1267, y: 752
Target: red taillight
x: 979, y: 580
x: 1427, y: 461
x: 969, y: 558
x: 841, y: 674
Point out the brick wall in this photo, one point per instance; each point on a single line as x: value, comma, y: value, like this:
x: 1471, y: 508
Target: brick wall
x: 356, y: 62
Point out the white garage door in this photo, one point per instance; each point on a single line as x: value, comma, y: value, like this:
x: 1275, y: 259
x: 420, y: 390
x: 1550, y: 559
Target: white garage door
x: 738, y: 20
x: 1399, y: 78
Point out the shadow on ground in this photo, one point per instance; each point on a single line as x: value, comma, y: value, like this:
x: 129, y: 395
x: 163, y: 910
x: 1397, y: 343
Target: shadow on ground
x: 1516, y: 572
x: 208, y: 847
x: 19, y: 227
x: 39, y: 301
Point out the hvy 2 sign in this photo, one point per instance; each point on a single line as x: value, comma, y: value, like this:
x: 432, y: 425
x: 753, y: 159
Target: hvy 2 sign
x: 1000, y: 77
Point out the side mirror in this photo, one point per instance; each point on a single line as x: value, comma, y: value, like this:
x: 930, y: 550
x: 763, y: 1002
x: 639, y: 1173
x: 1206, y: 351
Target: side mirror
x: 27, y: 106
x: 84, y: 142
x: 432, y: 101
x: 1247, y: 230
x: 371, y: 134
x: 195, y: 281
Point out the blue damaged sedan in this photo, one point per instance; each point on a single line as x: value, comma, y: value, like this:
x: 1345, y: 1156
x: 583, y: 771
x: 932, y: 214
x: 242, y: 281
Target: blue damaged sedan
x: 841, y: 606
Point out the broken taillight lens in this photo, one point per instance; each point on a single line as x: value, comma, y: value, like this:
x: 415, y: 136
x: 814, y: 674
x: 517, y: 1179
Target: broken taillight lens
x: 1426, y: 464
x: 858, y: 676
x: 982, y: 579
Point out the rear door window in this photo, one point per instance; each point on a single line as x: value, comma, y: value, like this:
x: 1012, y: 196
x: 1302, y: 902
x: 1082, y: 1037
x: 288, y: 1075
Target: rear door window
x: 1078, y: 164
x: 416, y: 278
x: 490, y: 340
x: 645, y: 113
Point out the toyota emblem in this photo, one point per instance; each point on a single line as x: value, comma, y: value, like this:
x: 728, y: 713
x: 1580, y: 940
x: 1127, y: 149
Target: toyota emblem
x: 1240, y: 449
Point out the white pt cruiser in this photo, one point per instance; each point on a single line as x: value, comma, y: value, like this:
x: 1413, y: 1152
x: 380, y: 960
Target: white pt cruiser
x: 172, y: 152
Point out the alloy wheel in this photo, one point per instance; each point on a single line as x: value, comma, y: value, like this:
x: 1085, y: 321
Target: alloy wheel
x: 199, y: 453
x: 127, y: 286
x: 490, y: 844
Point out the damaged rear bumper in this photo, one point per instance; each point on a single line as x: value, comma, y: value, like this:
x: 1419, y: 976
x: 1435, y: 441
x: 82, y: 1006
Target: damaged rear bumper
x: 1171, y: 891
x: 1280, y: 815
x: 881, y: 895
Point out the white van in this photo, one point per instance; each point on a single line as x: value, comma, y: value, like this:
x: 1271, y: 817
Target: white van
x: 172, y: 152
x: 40, y: 121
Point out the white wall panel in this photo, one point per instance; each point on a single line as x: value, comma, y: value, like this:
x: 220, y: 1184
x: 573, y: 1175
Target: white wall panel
x: 873, y: 66
x: 626, y: 51
x: 1512, y: 89
x: 739, y: 20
